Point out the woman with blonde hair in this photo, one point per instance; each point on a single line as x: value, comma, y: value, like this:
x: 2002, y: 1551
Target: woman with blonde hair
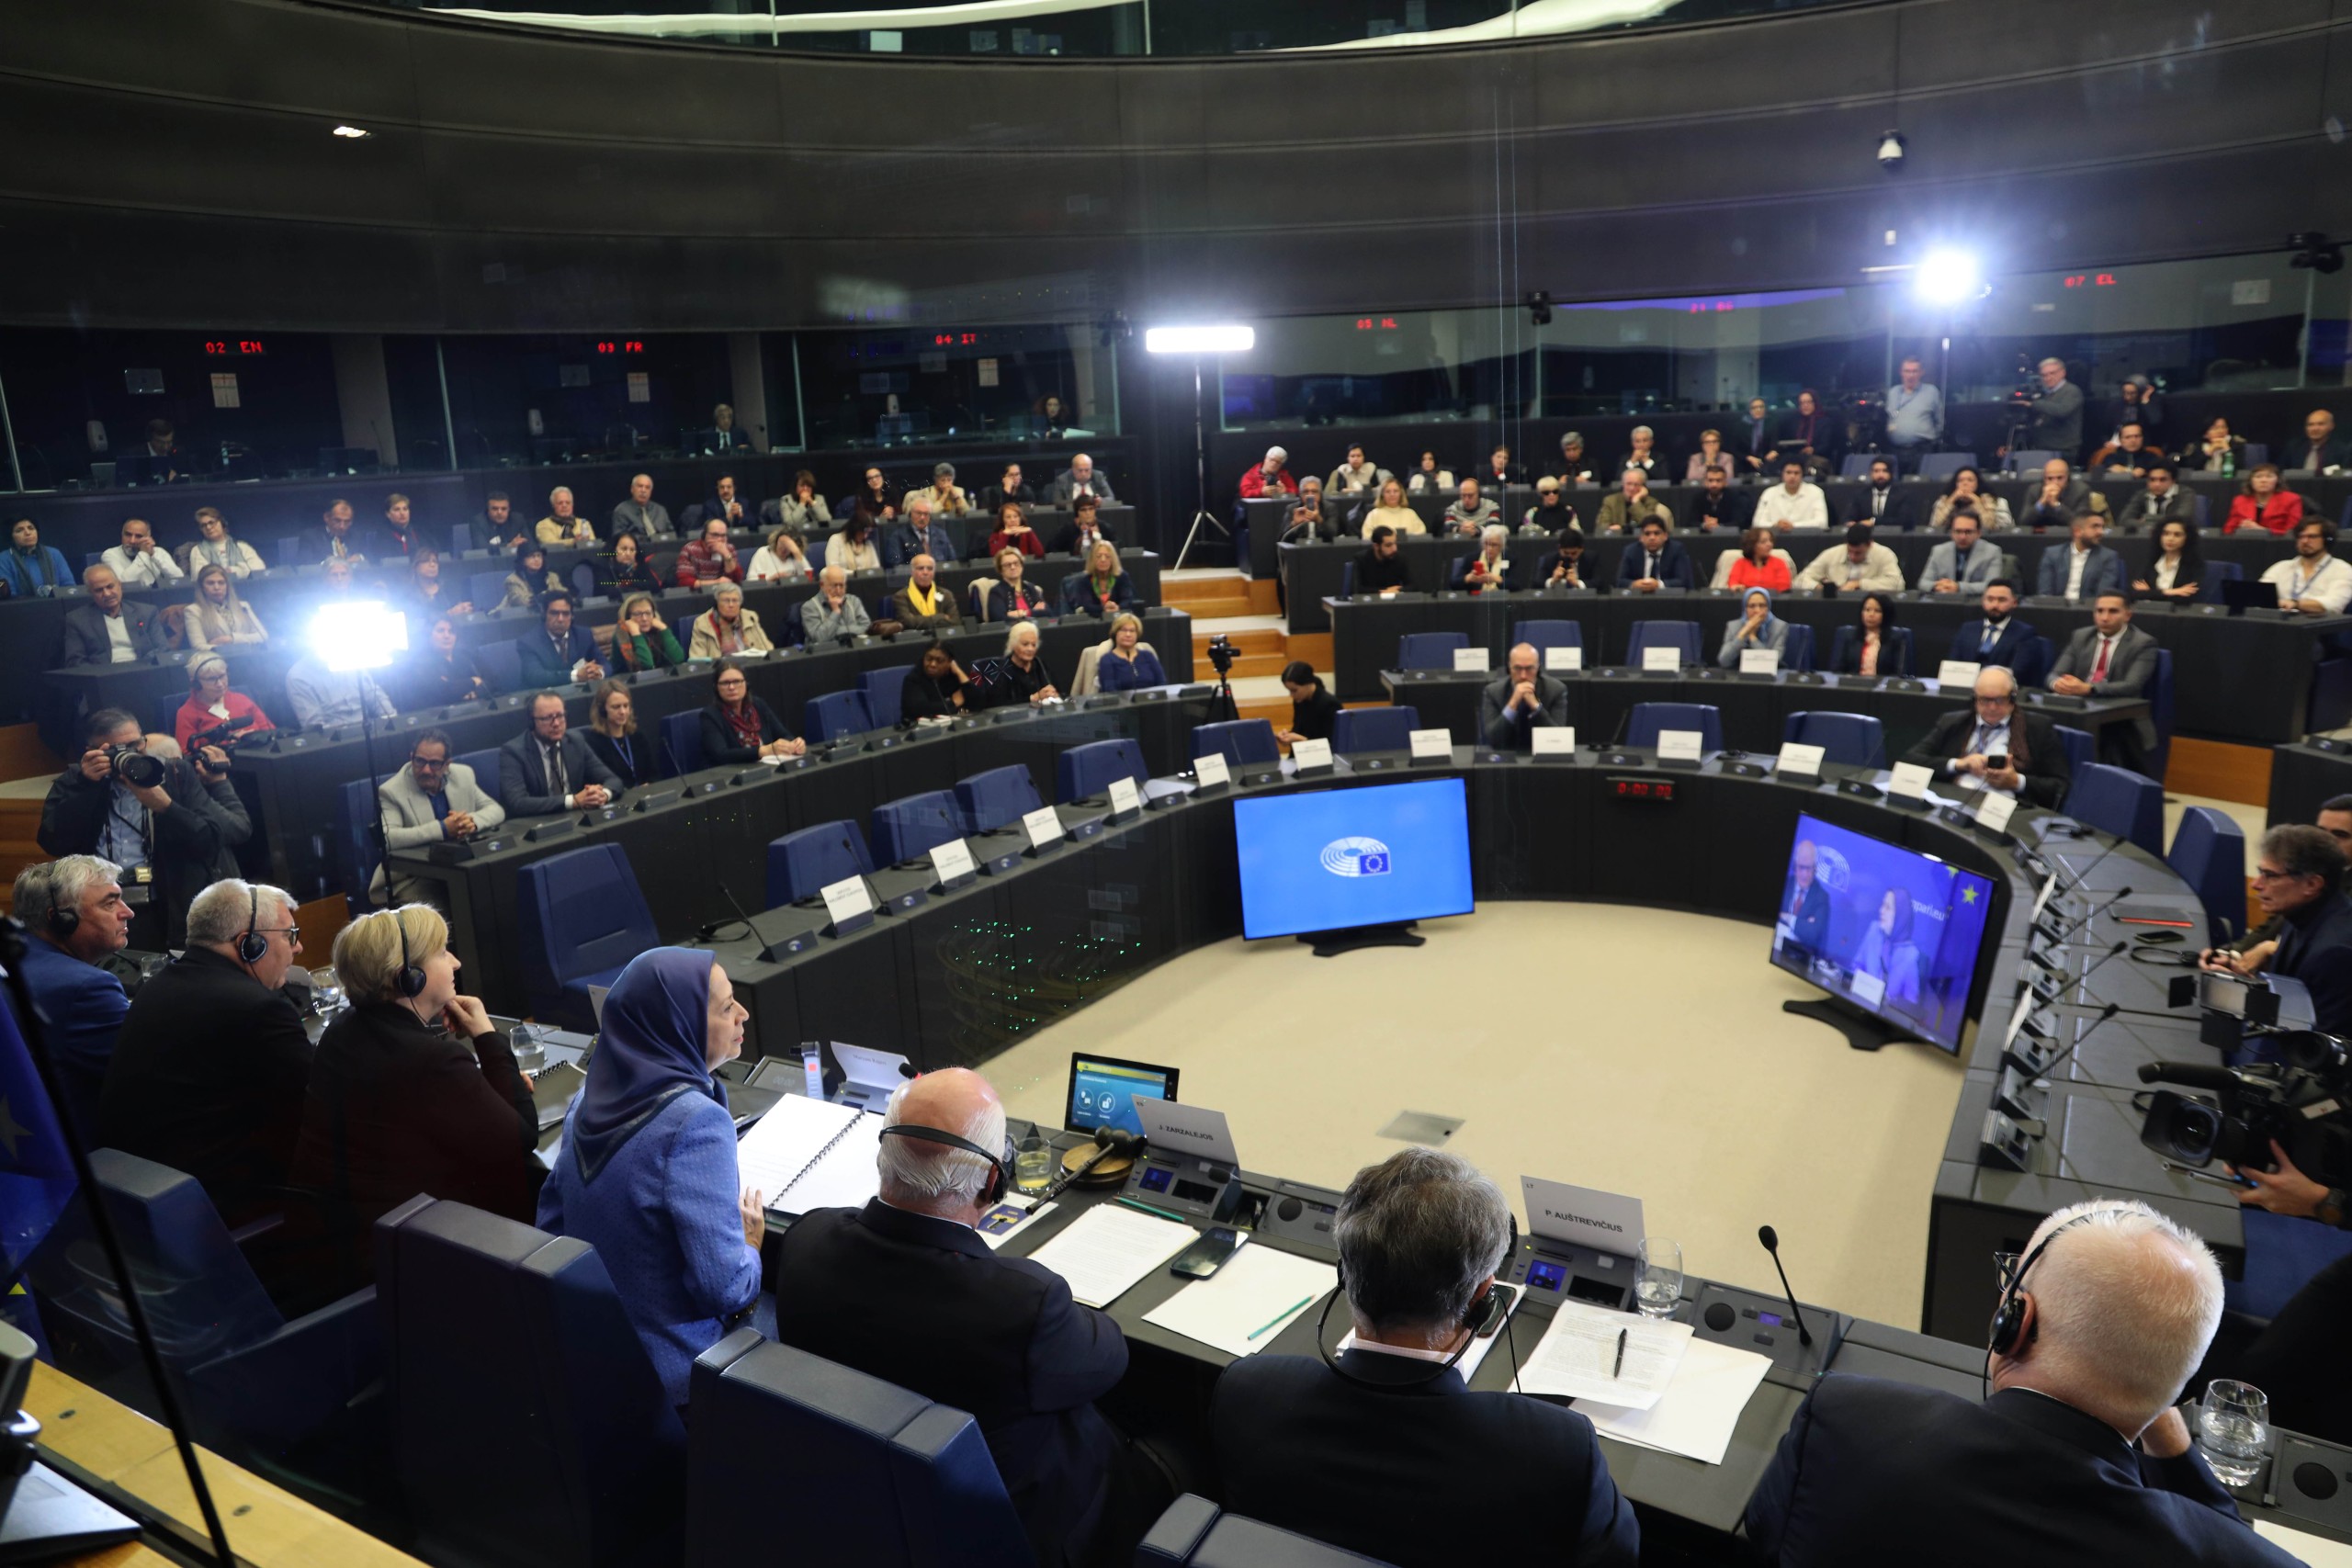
x: 1127, y: 665
x: 612, y: 733
x: 1102, y: 589
x: 218, y: 618
x: 1019, y: 675
x: 1391, y: 511
x: 640, y: 639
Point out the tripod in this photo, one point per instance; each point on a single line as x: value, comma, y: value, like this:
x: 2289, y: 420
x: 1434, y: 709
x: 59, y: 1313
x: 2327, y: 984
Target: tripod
x: 1200, y: 482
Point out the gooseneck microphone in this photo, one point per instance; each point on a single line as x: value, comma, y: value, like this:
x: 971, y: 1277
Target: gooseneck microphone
x: 704, y: 934
x: 2084, y: 978
x: 1772, y: 1240
x: 1623, y: 720
x: 2094, y: 913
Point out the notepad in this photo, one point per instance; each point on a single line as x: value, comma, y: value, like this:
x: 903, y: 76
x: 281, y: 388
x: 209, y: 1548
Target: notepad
x: 1699, y: 1410
x: 1244, y: 1307
x: 809, y: 1154
x: 1103, y: 1252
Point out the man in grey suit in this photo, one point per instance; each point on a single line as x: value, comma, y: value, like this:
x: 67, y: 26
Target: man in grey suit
x: 2111, y: 657
x: 1081, y: 477
x: 1963, y: 563
x: 641, y: 514
x: 1524, y: 701
x: 544, y: 771
x: 431, y: 801
x: 109, y: 629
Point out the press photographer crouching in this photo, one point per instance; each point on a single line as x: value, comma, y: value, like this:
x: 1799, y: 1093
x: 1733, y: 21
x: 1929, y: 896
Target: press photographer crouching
x: 171, y: 822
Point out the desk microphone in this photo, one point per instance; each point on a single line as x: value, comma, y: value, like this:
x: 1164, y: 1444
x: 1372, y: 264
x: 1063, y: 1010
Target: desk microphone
x: 1772, y: 1240
x: 1623, y: 720
x: 2063, y: 936
x: 2101, y: 962
x: 704, y: 934
x: 2050, y: 1072
x: 2096, y: 860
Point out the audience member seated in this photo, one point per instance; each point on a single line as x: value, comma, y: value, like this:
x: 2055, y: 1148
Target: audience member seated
x: 1654, y: 561
x: 623, y: 570
x: 2084, y: 567
x: 138, y: 561
x: 562, y: 529
x: 1127, y: 665
x: 1565, y: 570
x: 1019, y: 677
x: 30, y: 569
x: 1269, y: 476
x: 922, y: 604
x: 1760, y: 564
x: 946, y: 497
x: 1009, y: 487
x: 1997, y: 747
x: 428, y: 592
x: 2060, y: 498
x: 2137, y: 403
x: 709, y: 558
x: 641, y: 514
x: 2077, y: 1455
x: 1522, y: 700
x: 211, y: 706
x: 1551, y: 512
x: 2111, y: 657
x: 211, y: 1061
x: 2321, y: 451
x: 1996, y: 636
x: 784, y: 559
x: 612, y: 737
x: 335, y: 539
x: 333, y: 584
x: 1102, y: 589
x: 546, y: 769
x: 1313, y: 709
x: 1470, y: 511
x: 853, y: 548
x: 1796, y: 502
x: 1871, y: 652
x: 722, y: 435
x: 872, y: 496
x: 1630, y: 505
x: 1013, y: 533
x: 2313, y: 581
x: 1883, y: 504
x: 1575, y: 467
x: 401, y: 534
x: 1391, y: 513
x: 1968, y: 485
x: 801, y: 509
x: 1081, y: 477
x: 496, y: 525
x: 1645, y: 457
x: 530, y: 581
x: 2179, y: 568
x: 1009, y: 597
x: 1084, y: 531
x: 1756, y: 438
x: 921, y: 533
x: 1380, y: 569
x: 411, y: 1091
x: 1756, y: 629
x: 431, y: 800
x: 1810, y: 434
x: 906, y: 1290
x: 647, y: 1173
x: 2215, y: 452
x: 442, y: 672
x: 1710, y: 455
x: 320, y: 697
x: 75, y: 918
x: 1717, y: 506
x: 558, y: 652
x: 2163, y: 501
x: 936, y: 690
x: 1307, y: 521
x: 1964, y: 560
x: 741, y: 727
x: 727, y: 627
x: 640, y: 639
x: 2128, y: 454
x: 1429, y: 479
x: 1383, y: 1449
x: 1859, y: 563
x: 171, y: 839
x: 1486, y: 571
x: 1501, y: 471
x: 835, y: 613
x: 217, y: 617
x: 1356, y: 476
x: 2260, y: 503
x: 109, y: 629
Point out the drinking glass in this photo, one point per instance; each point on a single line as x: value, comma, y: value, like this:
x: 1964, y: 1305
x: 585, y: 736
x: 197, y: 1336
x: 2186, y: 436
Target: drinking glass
x: 1657, y: 1277
x: 1033, y: 1164
x: 2234, y: 1428
x: 326, y: 989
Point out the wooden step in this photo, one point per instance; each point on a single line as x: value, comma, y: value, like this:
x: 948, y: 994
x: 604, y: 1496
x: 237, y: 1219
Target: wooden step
x: 1273, y: 710
x: 1217, y: 609
x: 1313, y: 647
x: 1187, y: 590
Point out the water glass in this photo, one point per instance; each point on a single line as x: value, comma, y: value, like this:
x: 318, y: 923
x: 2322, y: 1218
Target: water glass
x: 2234, y: 1428
x: 1657, y: 1277
x: 326, y: 989
x: 1033, y: 1164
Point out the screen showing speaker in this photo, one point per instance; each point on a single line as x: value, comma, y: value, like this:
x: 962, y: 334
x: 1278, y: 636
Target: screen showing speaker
x: 1341, y: 858
x: 1892, y: 932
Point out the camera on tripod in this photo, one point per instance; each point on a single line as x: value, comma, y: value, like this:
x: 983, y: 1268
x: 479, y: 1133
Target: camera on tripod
x: 2296, y: 1101
x: 1222, y: 653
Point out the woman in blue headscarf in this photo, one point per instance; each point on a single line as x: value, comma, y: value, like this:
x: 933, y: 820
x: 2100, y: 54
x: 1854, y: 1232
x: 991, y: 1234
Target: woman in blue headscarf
x: 646, y: 1175
x: 1756, y: 627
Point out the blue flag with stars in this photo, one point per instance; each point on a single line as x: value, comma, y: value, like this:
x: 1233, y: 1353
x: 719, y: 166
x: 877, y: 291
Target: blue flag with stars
x: 35, y: 1172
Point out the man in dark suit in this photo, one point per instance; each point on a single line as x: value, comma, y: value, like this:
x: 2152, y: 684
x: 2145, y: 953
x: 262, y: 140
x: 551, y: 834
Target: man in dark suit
x: 335, y: 539
x: 1998, y: 637
x: 1964, y: 746
x: 1081, y: 477
x: 2111, y: 657
x: 1654, y: 561
x: 2101, y: 569
x: 727, y: 504
x: 544, y: 770
x: 2161, y: 502
x: 2077, y: 1456
x: 921, y: 533
x: 107, y: 630
x: 211, y: 1064
x: 905, y: 1290
x: 2321, y: 449
x: 1715, y: 507
x: 1526, y: 700
x: 1884, y: 503
x: 1386, y: 1450
x: 1804, y: 903
x: 558, y: 652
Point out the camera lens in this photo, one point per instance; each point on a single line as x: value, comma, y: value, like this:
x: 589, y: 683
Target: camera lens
x: 135, y: 767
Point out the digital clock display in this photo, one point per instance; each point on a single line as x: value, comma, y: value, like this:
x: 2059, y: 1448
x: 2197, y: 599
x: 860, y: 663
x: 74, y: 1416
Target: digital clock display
x: 233, y: 348
x: 1643, y: 789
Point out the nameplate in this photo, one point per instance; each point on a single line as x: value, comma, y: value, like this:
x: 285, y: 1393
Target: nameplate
x: 1800, y: 761
x: 546, y: 830
x: 1659, y: 660
x: 1432, y: 745
x: 1563, y: 659
x: 1994, y: 810
x: 951, y: 863
x: 1680, y: 745
x: 1957, y: 672
x: 1310, y: 756
x: 1470, y: 662
x: 1209, y: 772
x: 848, y: 904
x: 1191, y: 1131
x: 1582, y: 1216
x: 1910, y: 782
x: 1759, y: 662
x: 1042, y: 828
x: 1869, y: 989
x: 1125, y: 799
x: 1551, y: 740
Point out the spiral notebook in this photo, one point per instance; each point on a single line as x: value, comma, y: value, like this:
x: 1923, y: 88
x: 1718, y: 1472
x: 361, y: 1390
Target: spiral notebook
x: 809, y: 1154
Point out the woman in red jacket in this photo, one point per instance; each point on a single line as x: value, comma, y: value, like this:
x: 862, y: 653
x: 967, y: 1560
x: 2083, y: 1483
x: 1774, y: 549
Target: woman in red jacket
x: 1758, y: 567
x: 2263, y: 505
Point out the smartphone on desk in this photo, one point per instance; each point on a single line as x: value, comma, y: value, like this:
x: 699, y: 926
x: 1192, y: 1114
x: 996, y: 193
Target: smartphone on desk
x: 1206, y: 1255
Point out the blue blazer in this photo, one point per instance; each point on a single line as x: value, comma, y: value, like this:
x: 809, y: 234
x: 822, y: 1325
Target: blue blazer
x: 541, y: 668
x: 82, y: 1006
x: 1113, y: 673
x: 898, y: 544
x: 661, y: 1214
x: 1673, y: 565
x: 1812, y: 924
x: 2102, y: 573
x: 21, y: 575
x: 2006, y: 648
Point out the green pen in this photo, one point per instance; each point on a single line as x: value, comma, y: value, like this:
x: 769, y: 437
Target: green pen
x: 1149, y: 1210
x: 1282, y: 1315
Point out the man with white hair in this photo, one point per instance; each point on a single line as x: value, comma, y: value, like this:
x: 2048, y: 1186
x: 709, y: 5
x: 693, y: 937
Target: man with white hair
x: 1270, y: 476
x: 562, y: 527
x: 641, y: 514
x: 905, y: 1290
x: 1645, y: 457
x: 75, y: 909
x: 1081, y: 477
x: 2075, y: 1455
x: 2057, y: 411
x: 211, y: 1063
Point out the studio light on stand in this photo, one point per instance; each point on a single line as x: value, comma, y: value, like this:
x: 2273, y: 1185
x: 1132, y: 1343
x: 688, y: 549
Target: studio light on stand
x: 1949, y: 280
x: 1199, y: 342
x: 355, y: 639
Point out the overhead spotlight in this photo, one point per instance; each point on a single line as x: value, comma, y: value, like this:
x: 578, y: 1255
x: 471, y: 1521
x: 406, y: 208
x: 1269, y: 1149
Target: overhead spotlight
x: 1890, y: 151
x: 1539, y: 308
x: 352, y: 133
x: 1948, y: 277
x: 2316, y: 252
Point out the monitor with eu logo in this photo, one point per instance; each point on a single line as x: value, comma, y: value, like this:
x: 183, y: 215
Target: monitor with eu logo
x: 1887, y: 929
x: 1336, y: 858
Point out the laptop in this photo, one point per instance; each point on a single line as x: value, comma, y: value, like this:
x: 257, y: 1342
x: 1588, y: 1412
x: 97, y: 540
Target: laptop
x: 1103, y: 1090
x: 2239, y: 593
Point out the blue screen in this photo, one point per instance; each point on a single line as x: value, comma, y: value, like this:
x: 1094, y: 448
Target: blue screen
x: 1890, y: 929
x: 1352, y: 857
x: 1101, y: 1095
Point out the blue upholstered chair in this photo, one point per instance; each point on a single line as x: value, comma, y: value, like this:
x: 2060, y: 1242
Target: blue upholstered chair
x: 581, y: 919
x: 1195, y: 1533
x: 837, y: 713
x: 1429, y: 650
x: 1245, y: 742
x: 1647, y: 718
x: 998, y: 798
x: 1855, y: 739
x: 2116, y: 800
x: 2209, y: 853
x: 909, y: 828
x: 803, y: 863
x: 1087, y: 770
x: 1374, y: 729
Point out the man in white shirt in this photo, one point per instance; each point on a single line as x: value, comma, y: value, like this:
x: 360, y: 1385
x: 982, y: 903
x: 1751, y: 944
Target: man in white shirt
x: 1914, y: 415
x: 1858, y: 565
x: 137, y: 562
x: 2312, y: 581
x: 1794, y: 502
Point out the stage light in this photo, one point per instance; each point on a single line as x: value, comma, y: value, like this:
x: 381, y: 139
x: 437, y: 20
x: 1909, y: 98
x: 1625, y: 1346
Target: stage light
x: 1948, y: 277
x: 352, y: 133
x: 1200, y: 339
x: 368, y: 634
x: 1891, y: 147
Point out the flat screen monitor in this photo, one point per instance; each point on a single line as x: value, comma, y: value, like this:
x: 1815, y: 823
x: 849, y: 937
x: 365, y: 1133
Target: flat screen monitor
x: 1887, y: 929
x: 1341, y: 858
x: 1103, y: 1091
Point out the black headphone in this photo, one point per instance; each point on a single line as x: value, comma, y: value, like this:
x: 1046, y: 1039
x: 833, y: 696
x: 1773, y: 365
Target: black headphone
x: 253, y: 947
x: 1479, y: 1318
x: 999, y: 1165
x: 2008, y: 1318
x: 409, y: 979
x: 63, y: 918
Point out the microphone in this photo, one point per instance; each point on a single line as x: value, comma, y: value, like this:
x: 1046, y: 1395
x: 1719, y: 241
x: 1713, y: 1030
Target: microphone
x: 2050, y: 1072
x: 1623, y: 720
x: 2096, y: 860
x: 2101, y: 962
x: 1108, y: 1141
x: 2091, y: 914
x: 2193, y: 1074
x: 1772, y: 1240
x: 704, y: 934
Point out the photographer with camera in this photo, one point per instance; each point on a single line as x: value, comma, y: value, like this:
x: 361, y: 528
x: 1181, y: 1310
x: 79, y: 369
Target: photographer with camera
x: 169, y: 820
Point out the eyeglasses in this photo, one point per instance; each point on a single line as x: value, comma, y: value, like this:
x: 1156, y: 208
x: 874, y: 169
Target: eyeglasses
x: 2265, y: 874
x: 293, y: 934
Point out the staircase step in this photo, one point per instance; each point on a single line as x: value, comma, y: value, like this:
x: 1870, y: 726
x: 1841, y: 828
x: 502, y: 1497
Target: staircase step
x: 1216, y: 609
x: 1223, y: 585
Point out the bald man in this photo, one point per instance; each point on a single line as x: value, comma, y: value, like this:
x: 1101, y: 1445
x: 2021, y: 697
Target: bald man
x: 2076, y: 1454
x: 1511, y: 710
x: 1991, y: 745
x: 904, y: 1288
x: 641, y: 514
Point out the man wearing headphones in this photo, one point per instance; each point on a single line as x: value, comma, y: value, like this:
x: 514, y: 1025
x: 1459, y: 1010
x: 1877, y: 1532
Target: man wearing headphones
x: 211, y: 1064
x: 1386, y: 1450
x: 904, y: 1288
x: 2076, y: 1456
x: 74, y: 909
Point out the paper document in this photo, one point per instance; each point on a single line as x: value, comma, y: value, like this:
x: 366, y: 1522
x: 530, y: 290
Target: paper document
x: 2317, y: 1550
x: 1105, y: 1251
x: 1696, y: 1415
x: 807, y: 1154
x: 1579, y: 1353
x: 1468, y: 1365
x: 1244, y: 1307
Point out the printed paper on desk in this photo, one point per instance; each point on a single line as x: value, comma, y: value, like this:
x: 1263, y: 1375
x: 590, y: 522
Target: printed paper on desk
x: 951, y: 860
x: 1551, y: 740
x: 1103, y: 1252
x: 1432, y: 745
x: 1577, y: 1357
x: 847, y: 899
x: 1680, y: 745
x: 1125, y: 796
x: 1957, y: 672
x: 1661, y: 661
x: 1042, y: 826
x: 1193, y: 1130
x: 1698, y: 1411
x: 1310, y: 753
x: 1910, y: 782
x: 1210, y: 770
x: 1260, y: 1290
x: 1470, y: 662
x: 1607, y: 1222
x: 1557, y: 657
x: 1799, y: 760
x: 1759, y: 660
x: 1994, y: 810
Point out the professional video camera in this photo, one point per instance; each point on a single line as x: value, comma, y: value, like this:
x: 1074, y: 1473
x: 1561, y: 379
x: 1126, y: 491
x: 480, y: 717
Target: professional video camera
x: 225, y: 735
x: 1222, y: 653
x: 2298, y: 1101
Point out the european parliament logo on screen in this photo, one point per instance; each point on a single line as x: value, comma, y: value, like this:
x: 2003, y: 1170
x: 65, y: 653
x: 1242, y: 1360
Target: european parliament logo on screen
x: 1356, y: 857
x: 1372, y: 854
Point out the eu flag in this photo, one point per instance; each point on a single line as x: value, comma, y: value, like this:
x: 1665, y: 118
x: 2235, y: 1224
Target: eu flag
x: 36, y: 1171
